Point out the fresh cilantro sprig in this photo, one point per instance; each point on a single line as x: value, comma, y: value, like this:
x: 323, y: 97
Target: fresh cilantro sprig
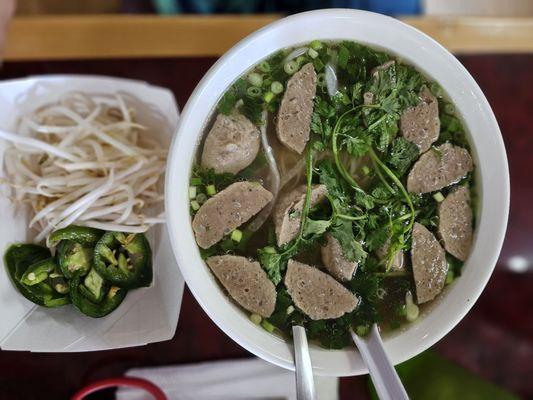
x: 274, y: 261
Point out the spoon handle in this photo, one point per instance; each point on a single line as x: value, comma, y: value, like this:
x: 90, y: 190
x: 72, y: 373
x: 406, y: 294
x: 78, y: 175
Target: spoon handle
x: 305, y: 387
x: 386, y: 381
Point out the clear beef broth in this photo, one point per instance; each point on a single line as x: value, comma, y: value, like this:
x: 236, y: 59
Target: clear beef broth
x: 358, y: 148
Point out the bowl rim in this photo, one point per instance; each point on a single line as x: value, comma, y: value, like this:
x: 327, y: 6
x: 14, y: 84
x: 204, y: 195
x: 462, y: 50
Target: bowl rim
x: 229, y: 317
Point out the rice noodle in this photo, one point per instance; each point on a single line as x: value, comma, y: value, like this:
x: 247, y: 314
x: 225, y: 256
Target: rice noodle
x: 274, y: 178
x: 82, y: 161
x: 296, y: 170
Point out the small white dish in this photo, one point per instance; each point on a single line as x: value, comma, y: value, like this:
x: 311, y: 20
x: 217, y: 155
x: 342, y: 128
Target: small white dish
x: 436, y: 62
x: 147, y: 315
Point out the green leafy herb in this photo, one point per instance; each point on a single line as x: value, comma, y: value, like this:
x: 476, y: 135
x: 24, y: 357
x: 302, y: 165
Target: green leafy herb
x: 205, y: 177
x: 402, y: 154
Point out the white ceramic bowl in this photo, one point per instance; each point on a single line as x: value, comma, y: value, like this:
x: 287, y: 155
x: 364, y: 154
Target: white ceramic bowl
x: 492, y: 176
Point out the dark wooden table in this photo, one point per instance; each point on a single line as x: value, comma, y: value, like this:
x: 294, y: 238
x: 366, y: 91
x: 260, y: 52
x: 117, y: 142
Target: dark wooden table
x: 495, y: 340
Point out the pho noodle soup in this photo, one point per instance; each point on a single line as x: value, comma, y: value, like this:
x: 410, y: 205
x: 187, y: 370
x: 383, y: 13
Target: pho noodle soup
x: 333, y: 188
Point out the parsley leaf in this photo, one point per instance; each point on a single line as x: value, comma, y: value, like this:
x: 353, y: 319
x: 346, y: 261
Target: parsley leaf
x: 227, y: 102
x: 210, y: 177
x: 351, y: 248
x: 402, y: 154
x: 323, y: 119
x: 252, y: 108
x: 343, y: 56
x: 272, y: 262
x: 357, y: 142
x: 315, y: 228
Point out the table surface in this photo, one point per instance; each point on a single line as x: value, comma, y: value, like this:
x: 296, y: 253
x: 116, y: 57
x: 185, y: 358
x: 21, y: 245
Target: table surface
x: 495, y: 340
x: 110, y: 36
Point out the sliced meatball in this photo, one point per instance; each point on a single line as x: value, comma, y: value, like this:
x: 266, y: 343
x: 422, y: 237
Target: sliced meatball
x: 246, y: 282
x: 421, y: 124
x: 429, y: 264
x: 386, y: 65
x: 439, y: 167
x: 455, y: 223
x: 335, y: 261
x: 231, y: 145
x: 398, y: 262
x: 288, y: 210
x: 227, y: 210
x: 296, y: 108
x: 316, y: 293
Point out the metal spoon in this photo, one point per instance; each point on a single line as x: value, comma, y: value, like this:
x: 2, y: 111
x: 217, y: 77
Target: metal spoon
x: 386, y: 381
x: 305, y: 386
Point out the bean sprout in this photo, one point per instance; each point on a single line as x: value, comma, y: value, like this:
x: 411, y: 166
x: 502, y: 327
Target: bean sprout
x: 85, y: 160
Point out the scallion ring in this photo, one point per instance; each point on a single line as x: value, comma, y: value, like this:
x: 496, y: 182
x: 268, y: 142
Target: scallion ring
x: 253, y: 91
x: 291, y: 67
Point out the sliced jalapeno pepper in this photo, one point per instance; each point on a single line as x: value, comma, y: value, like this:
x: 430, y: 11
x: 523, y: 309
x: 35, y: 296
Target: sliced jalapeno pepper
x: 79, y: 234
x: 124, y: 259
x: 82, y: 297
x: 74, y: 258
x: 94, y: 287
x: 38, y: 272
x: 21, y: 261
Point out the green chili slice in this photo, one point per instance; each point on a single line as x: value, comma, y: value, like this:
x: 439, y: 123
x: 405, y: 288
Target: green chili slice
x: 74, y: 258
x: 46, y: 289
x: 124, y: 259
x: 79, y: 234
x: 110, y: 300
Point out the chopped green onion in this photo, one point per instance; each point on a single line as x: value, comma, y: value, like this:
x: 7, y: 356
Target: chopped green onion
x: 268, y: 97
x: 236, y: 235
x: 316, y: 44
x: 290, y: 310
x: 300, y: 60
x: 450, y: 276
x: 439, y: 197
x: 264, y: 66
x: 449, y: 108
x: 267, y: 82
x: 211, y: 190
x: 412, y: 312
x: 269, y: 249
x: 411, y: 309
x: 365, y: 169
x: 318, y: 64
x: 201, y: 198
x: 253, y: 91
x: 255, y: 79
x: 196, y: 181
x: 276, y: 87
x: 267, y: 326
x: 312, y: 53
x: 361, y: 330
x: 321, y: 79
x: 195, y: 206
x: 255, y: 318
x: 291, y: 67
x: 192, y: 192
